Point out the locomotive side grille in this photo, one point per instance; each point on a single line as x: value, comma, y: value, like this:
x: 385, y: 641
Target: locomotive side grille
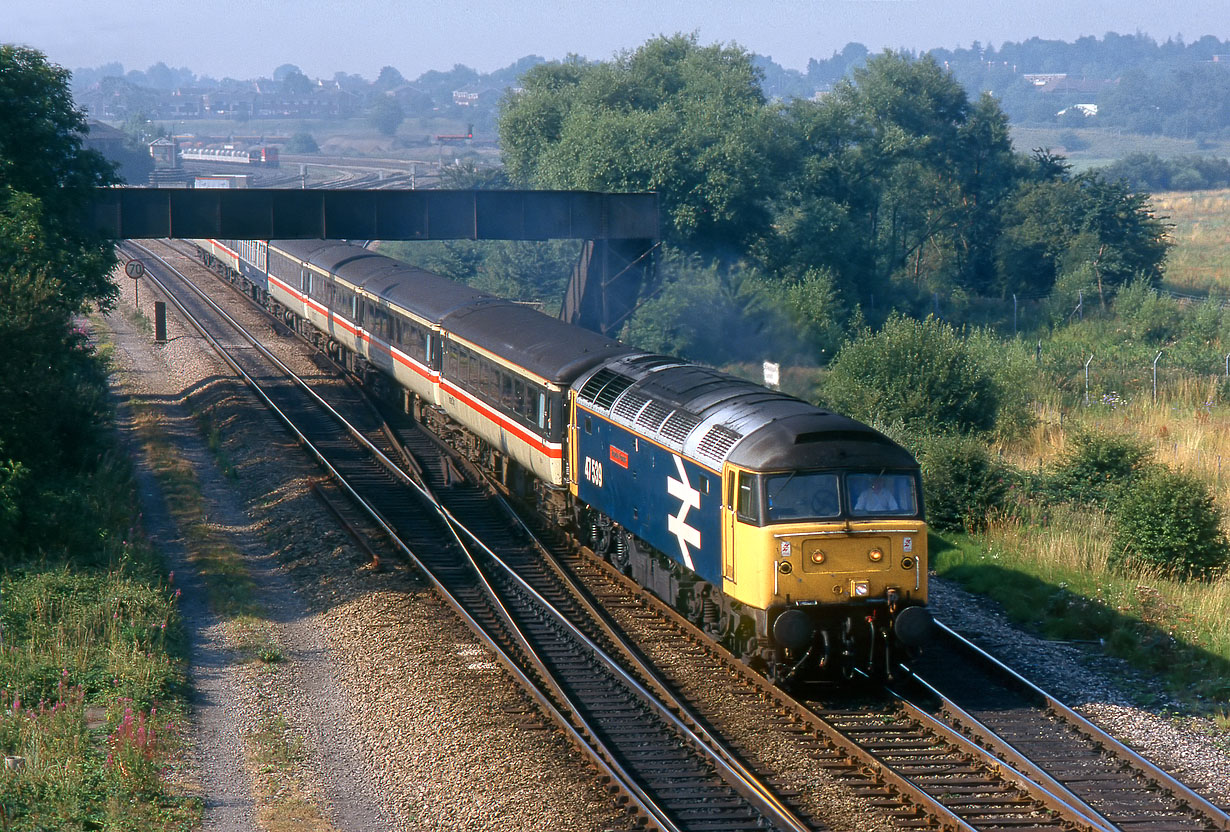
x: 630, y: 405
x: 677, y: 427
x: 717, y: 443
x: 653, y: 416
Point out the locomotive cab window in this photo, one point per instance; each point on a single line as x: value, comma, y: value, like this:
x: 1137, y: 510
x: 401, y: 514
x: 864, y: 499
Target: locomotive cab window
x: 801, y: 495
x: 873, y: 495
x: 747, y: 504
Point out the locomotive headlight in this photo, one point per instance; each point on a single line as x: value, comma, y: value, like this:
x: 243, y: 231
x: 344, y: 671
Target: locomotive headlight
x: 817, y: 556
x: 860, y: 589
x: 875, y: 555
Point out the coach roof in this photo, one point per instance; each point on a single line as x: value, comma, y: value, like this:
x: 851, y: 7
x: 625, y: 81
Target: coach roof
x: 545, y: 346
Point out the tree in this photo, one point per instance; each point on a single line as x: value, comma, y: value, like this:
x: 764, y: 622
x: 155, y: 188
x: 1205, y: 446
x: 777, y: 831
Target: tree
x: 897, y: 178
x: 282, y: 72
x: 46, y: 181
x: 1095, y: 233
x: 686, y: 121
x: 296, y: 83
x: 1170, y: 520
x: 51, y: 269
x: 388, y: 79
x: 386, y: 115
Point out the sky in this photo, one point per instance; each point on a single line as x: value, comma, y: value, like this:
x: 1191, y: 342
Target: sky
x: 250, y: 38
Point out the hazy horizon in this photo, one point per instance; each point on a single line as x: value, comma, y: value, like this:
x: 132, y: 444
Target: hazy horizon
x: 219, y: 39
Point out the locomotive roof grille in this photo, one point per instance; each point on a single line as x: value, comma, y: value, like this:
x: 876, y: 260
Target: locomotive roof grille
x: 630, y: 405
x: 678, y: 425
x: 716, y: 444
x: 652, y: 416
x: 604, y: 387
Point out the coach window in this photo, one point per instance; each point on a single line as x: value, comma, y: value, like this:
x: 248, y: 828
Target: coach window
x: 519, y: 399
x: 748, y: 505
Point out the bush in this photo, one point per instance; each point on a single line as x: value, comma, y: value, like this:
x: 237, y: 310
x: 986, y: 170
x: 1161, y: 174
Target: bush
x: 1097, y: 466
x: 962, y: 483
x: 302, y: 142
x: 921, y: 373
x: 1169, y: 520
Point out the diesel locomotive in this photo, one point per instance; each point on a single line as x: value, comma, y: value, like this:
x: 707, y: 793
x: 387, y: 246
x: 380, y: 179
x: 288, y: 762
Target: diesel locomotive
x: 794, y: 536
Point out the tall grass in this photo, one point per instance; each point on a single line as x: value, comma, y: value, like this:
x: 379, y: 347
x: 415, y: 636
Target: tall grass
x: 1050, y: 564
x: 91, y: 694
x: 1200, y: 260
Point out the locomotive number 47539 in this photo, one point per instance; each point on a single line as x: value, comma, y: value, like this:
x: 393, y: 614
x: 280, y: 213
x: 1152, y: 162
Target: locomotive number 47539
x: 593, y: 471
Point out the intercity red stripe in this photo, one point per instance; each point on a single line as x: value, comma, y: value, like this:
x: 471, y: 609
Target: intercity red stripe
x: 552, y: 451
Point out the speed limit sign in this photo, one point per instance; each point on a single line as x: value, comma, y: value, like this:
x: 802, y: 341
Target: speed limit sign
x: 134, y: 269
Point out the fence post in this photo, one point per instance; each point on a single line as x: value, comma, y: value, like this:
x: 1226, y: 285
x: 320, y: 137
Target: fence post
x: 1087, y: 379
x: 1155, y: 358
x: 1014, y: 313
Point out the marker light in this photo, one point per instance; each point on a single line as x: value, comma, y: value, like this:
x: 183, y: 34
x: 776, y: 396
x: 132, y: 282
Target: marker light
x: 875, y: 555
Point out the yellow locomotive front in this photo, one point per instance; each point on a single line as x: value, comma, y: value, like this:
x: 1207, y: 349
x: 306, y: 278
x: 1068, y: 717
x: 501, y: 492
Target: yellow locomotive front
x: 832, y: 559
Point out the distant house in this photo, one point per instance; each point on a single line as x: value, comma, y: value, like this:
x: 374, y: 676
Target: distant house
x: 1039, y: 79
x: 104, y: 138
x: 1086, y: 110
x: 165, y: 153
x: 472, y: 96
x: 1074, y: 86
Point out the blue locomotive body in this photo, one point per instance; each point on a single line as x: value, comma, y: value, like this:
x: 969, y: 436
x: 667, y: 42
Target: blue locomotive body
x: 664, y: 499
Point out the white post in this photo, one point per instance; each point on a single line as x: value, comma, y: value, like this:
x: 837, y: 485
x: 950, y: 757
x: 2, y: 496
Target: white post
x: 1155, y: 358
x: 1087, y: 379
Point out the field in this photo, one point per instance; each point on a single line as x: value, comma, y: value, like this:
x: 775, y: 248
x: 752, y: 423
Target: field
x: 1200, y: 260
x: 1106, y: 145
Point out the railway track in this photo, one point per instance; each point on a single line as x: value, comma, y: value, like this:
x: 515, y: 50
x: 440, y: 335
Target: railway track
x: 908, y: 755
x: 671, y: 773
x: 1035, y: 733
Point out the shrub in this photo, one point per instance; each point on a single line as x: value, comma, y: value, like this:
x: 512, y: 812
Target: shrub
x: 1097, y: 466
x: 921, y: 373
x: 962, y: 483
x: 1169, y: 520
x: 302, y: 142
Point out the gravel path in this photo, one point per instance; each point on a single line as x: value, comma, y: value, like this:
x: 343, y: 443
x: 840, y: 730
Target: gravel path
x: 217, y: 754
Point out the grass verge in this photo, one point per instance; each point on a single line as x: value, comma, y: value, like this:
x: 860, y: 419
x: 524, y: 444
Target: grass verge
x: 92, y: 688
x: 1049, y: 570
